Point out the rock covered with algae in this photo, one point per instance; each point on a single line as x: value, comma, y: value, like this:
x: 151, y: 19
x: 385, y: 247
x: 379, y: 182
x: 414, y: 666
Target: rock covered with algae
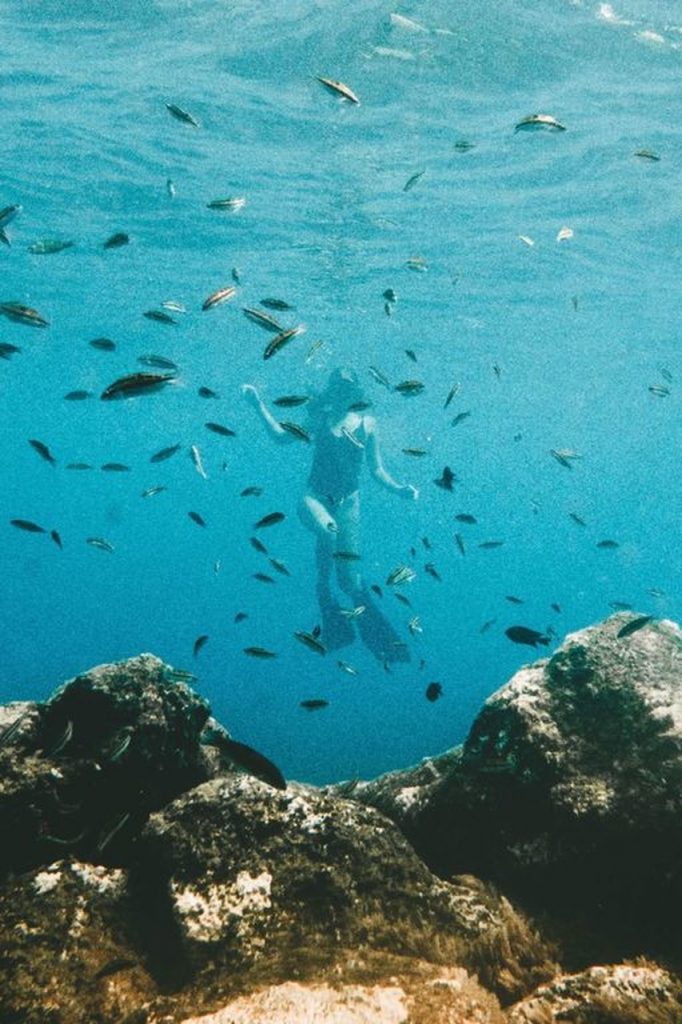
x: 568, y: 788
x: 143, y: 881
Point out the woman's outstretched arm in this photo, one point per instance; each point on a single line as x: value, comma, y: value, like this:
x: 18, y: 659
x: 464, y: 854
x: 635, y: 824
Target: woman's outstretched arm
x: 274, y: 428
x: 377, y: 467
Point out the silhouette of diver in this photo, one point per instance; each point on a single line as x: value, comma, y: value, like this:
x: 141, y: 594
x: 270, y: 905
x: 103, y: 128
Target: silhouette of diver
x: 343, y: 436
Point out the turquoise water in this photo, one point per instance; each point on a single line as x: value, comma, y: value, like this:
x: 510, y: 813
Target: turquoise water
x: 555, y: 344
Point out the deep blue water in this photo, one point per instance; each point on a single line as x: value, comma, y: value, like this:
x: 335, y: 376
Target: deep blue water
x: 578, y: 330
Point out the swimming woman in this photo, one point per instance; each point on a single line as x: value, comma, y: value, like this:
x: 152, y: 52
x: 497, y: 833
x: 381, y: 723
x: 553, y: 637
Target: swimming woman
x: 342, y: 435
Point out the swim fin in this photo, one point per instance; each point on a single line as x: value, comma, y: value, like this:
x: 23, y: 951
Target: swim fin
x: 337, y: 631
x: 378, y: 635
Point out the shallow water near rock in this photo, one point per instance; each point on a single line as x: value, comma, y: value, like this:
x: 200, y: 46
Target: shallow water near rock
x: 567, y: 344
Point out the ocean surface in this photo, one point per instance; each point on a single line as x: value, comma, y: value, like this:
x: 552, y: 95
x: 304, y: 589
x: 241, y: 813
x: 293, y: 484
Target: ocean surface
x: 568, y: 344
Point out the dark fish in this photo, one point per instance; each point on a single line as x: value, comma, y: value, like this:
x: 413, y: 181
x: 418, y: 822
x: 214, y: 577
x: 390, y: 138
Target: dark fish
x: 115, y: 966
x: 460, y: 543
x: 339, y: 89
x: 416, y: 452
x: 432, y: 571
x: 8, y: 213
x: 258, y: 545
x: 259, y: 652
x: 182, y: 115
x: 269, y: 520
x: 149, y: 492
x: 229, y: 203
x: 4, y: 238
x: 199, y: 643
x: 112, y: 831
x: 555, y: 607
x: 409, y: 387
x: 7, y: 350
x: 205, y: 392
x: 660, y: 390
x: 411, y: 355
x: 535, y: 122
x: 295, y: 430
x: 79, y: 465
x: 254, y: 763
x: 290, y: 401
x: 514, y: 600
x: 159, y: 316
x: 23, y: 314
x: 43, y: 451
x: 311, y: 641
x: 523, y: 635
x: 647, y: 154
x: 403, y: 600
x: 488, y: 545
x: 390, y: 295
x: 377, y: 590
x: 100, y: 542
x: 346, y: 556
x: 609, y: 544
x: 411, y: 182
x: 117, y: 240
x: 251, y: 492
x: 263, y: 577
x: 196, y: 518
x: 27, y: 525
x: 427, y: 543
x: 459, y: 418
x: 281, y: 339
x: 633, y: 625
x: 279, y: 566
x: 278, y: 304
x: 264, y: 320
x: 446, y: 480
x: 159, y: 362
x: 56, y: 538
x: 137, y: 384
x: 103, y: 344
x: 218, y: 297
x: 380, y: 377
x: 60, y: 741
x: 465, y: 517
x: 46, y: 246
x: 240, y: 616
x: 486, y: 625
x: 315, y: 704
x: 77, y: 396
x: 115, y: 467
x: 454, y: 390
x: 577, y: 519
x: 433, y: 691
x: 218, y: 428
x: 164, y: 453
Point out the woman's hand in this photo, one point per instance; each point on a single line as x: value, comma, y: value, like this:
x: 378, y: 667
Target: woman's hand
x: 408, y: 491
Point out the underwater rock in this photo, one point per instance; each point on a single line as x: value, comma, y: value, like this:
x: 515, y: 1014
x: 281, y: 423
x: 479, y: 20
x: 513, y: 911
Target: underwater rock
x: 568, y: 790
x: 66, y: 947
x: 80, y: 773
x: 629, y: 993
x: 256, y: 880
x: 441, y: 996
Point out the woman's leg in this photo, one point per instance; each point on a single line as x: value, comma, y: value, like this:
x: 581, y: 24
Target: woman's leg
x: 337, y: 631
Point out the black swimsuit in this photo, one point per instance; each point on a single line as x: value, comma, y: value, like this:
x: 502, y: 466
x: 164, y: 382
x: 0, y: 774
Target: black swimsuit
x: 335, y: 473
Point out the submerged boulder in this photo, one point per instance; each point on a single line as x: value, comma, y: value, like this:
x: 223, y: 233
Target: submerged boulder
x: 568, y: 789
x: 256, y: 880
x: 629, y: 993
x: 80, y: 773
x: 67, y: 950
